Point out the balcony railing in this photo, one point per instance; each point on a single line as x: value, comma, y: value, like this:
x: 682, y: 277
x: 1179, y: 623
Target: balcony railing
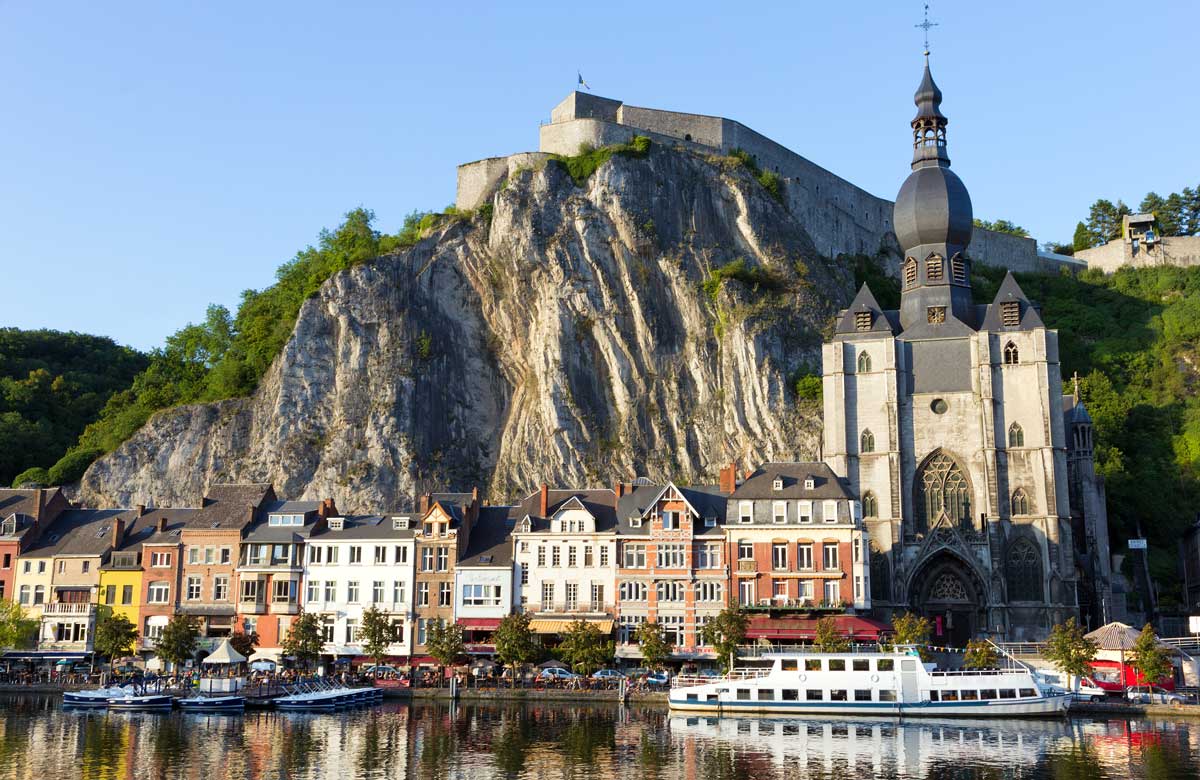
x: 561, y: 608
x: 252, y: 607
x: 64, y: 608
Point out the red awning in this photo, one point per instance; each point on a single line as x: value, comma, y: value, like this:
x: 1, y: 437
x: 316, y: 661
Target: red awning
x: 479, y: 624
x: 851, y: 626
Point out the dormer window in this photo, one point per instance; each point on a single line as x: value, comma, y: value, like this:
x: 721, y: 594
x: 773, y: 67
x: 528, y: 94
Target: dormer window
x: 1010, y: 314
x: 777, y: 484
x: 9, y: 526
x: 336, y: 523
x: 862, y: 320
x: 809, y: 483
x: 285, y: 520
x: 400, y: 523
x: 635, y: 522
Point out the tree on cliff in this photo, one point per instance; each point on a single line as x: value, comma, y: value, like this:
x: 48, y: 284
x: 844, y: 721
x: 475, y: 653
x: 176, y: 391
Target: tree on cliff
x: 1104, y: 220
x: 1082, y: 238
x: 725, y: 632
x: 1002, y: 226
x: 177, y: 643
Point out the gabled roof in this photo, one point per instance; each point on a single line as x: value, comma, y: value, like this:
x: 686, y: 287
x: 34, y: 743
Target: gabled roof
x: 491, y: 539
x: 704, y: 500
x: 574, y: 503
x: 864, y: 301
x: 228, y: 507
x: 23, y: 503
x: 1011, y: 292
x: 367, y: 528
x: 760, y: 483
x: 177, y: 519
x: 81, y: 532
x: 600, y: 502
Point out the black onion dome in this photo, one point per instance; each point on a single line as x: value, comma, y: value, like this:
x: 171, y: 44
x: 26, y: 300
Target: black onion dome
x: 933, y: 207
x: 928, y: 97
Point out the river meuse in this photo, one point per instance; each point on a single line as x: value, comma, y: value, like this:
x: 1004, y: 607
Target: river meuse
x: 39, y: 741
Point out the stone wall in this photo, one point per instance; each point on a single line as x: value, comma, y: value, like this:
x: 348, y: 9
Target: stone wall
x: 478, y: 180
x: 1171, y: 250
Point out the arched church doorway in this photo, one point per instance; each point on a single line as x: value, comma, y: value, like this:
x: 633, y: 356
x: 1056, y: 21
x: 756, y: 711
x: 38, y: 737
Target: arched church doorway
x: 948, y: 592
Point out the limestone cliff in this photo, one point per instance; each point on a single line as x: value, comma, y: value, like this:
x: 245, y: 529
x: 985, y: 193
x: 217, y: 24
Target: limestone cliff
x: 565, y: 337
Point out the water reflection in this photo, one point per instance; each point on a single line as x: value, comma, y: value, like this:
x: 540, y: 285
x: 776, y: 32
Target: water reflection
x: 39, y: 741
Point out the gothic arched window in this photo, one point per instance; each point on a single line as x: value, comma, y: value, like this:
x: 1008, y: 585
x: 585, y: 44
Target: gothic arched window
x: 864, y: 362
x: 866, y: 442
x: 1016, y: 436
x: 942, y: 487
x: 1012, y: 355
x: 1019, y: 502
x: 870, y: 505
x: 910, y: 272
x: 1023, y: 570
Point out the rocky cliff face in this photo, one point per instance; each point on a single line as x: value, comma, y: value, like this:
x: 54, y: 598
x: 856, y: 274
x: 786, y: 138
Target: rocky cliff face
x: 567, y: 338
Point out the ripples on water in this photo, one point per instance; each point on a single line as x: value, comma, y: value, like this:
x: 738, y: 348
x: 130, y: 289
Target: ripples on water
x: 39, y: 741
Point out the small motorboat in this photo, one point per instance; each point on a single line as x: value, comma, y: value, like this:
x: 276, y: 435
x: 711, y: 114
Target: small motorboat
x: 212, y: 704
x: 96, y: 698
x: 150, y: 702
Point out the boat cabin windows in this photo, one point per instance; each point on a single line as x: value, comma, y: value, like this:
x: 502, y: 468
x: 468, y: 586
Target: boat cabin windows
x: 814, y: 695
x: 790, y: 694
x: 837, y: 664
x: 766, y: 694
x: 885, y: 664
x: 1028, y: 693
x: 712, y: 697
x: 789, y: 665
x: 1008, y: 693
x: 862, y: 695
x: 743, y: 694
x: 837, y: 696
x: 692, y: 697
x: 933, y: 695
x: 887, y: 695
x: 812, y: 664
x: 861, y: 665
x: 987, y: 693
x: 969, y: 695
x: 949, y: 695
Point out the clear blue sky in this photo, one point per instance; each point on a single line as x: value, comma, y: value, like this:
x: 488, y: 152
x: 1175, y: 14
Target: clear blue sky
x: 159, y: 156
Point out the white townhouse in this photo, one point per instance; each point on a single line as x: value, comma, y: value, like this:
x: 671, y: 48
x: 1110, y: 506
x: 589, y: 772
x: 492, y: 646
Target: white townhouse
x: 566, y: 558
x: 483, y: 579
x: 355, y: 563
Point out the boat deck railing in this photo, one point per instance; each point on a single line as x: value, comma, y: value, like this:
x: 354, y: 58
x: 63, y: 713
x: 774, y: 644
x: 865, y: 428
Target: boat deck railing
x: 688, y: 680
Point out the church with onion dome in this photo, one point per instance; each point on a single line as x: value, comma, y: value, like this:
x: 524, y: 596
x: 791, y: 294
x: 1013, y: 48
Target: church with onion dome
x: 948, y: 418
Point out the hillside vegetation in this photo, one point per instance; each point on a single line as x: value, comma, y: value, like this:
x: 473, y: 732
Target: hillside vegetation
x: 52, y: 384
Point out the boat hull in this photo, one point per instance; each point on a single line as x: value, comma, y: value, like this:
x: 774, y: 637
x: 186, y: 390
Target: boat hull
x: 155, y: 703
x: 213, y: 704
x: 1046, y: 706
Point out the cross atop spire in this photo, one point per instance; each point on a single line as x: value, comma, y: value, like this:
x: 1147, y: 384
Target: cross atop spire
x: 925, y: 25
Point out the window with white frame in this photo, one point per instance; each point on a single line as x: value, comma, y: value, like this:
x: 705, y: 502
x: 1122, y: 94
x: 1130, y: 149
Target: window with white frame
x: 401, y: 553
x: 555, y: 556
x: 572, y: 596
x: 541, y: 556
x: 158, y: 593
x: 829, y: 512
x: 193, y: 589
x: 474, y: 595
x: 251, y: 592
x: 635, y: 556
x: 160, y: 560
x: 587, y: 555
x: 312, y: 591
x: 193, y: 555
x: 779, y: 511
x: 710, y: 591
x: 804, y: 509
x: 671, y: 556
x: 422, y: 595
x: 445, y: 594
x: 672, y: 627
x: 632, y: 591
x: 398, y: 592
x: 746, y: 592
x: 330, y: 591
x: 804, y: 590
x: 351, y: 630
x: 670, y: 590
x: 833, y: 592
x: 628, y: 626
x: 804, y: 556
x: 571, y: 559
x: 745, y: 550
x: 427, y: 559
x: 315, y: 553
x: 352, y: 592
x: 284, y: 591
x: 745, y: 512
x: 779, y: 556
x: 779, y: 590
x: 377, y: 591
x: 443, y: 558
x: 597, y: 597
x: 285, y: 520
x: 670, y: 520
x: 708, y: 556
x: 547, y: 596
x: 604, y: 555
x: 381, y: 554
x: 829, y: 551
x: 355, y: 553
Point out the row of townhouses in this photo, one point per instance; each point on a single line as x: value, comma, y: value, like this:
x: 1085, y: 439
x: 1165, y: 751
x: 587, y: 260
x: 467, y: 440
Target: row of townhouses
x: 786, y: 540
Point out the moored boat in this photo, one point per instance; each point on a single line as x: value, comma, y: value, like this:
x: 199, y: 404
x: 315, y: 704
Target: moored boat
x: 212, y: 704
x: 95, y: 698
x: 896, y: 684
x: 151, y: 702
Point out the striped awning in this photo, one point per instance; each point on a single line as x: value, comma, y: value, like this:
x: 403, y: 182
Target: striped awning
x: 561, y: 625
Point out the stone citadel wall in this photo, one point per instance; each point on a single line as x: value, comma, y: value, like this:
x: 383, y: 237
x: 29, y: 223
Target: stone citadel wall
x: 1169, y: 250
x: 840, y: 217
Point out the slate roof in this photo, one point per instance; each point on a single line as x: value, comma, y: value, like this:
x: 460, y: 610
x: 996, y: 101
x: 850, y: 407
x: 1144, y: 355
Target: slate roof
x: 491, y: 539
x: 708, y: 500
x: 22, y: 503
x: 80, y: 532
x: 177, y: 519
x: 1074, y: 412
x: 263, y: 531
x: 366, y: 527
x: 601, y: 502
x: 1010, y: 292
x: 227, y: 507
x: 865, y: 301
x: 760, y: 484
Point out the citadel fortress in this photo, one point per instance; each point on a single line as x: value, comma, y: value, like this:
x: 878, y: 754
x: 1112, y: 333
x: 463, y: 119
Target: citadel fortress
x: 840, y: 217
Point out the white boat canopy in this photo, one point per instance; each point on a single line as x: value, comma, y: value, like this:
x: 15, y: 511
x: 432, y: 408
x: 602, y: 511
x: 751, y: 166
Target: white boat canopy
x: 224, y: 654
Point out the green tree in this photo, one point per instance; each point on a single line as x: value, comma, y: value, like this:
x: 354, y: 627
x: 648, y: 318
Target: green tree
x: 1002, y: 226
x: 1082, y: 238
x: 244, y: 643
x: 1104, y: 220
x: 584, y: 648
x: 652, y: 641
x: 910, y: 629
x: 445, y: 642
x: 1150, y: 657
x: 115, y: 635
x: 17, y: 629
x: 980, y: 654
x: 724, y: 633
x: 1070, y: 650
x: 828, y: 639
x: 303, y: 640
x: 177, y: 643
x: 515, y: 643
x: 376, y: 634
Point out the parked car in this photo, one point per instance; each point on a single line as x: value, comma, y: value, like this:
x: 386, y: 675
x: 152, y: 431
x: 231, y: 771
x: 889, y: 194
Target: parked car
x: 1153, y: 694
x: 658, y: 678
x: 1089, y: 691
x: 607, y: 674
x: 555, y: 673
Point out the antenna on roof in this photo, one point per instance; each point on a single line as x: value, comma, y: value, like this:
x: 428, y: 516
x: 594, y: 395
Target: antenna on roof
x: 925, y: 25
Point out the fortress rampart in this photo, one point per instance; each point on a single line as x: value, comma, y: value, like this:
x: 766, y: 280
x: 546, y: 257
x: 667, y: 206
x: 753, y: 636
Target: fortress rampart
x: 840, y: 217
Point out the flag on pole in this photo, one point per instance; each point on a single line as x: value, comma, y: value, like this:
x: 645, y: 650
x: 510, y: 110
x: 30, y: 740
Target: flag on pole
x: 582, y: 83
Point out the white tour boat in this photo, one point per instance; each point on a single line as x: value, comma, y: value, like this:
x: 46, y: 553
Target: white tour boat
x: 895, y: 684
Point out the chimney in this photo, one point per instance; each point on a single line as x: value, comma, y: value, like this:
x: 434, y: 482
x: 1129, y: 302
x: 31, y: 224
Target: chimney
x: 423, y: 504
x: 327, y: 509
x: 39, y: 500
x: 729, y: 478
x: 118, y: 532
x: 544, y: 500
x: 162, y: 525
x: 141, y: 510
x: 619, y: 488
x: 250, y: 514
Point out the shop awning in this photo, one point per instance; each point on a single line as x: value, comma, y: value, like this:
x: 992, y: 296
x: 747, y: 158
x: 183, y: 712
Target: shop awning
x: 208, y: 610
x: 561, y: 625
x: 479, y: 624
x: 43, y: 655
x: 850, y: 626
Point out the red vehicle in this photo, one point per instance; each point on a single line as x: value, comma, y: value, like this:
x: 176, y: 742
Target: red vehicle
x: 1115, y: 677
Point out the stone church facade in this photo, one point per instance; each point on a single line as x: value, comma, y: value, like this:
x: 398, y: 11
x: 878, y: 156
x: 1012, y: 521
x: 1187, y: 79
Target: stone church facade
x: 947, y: 417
